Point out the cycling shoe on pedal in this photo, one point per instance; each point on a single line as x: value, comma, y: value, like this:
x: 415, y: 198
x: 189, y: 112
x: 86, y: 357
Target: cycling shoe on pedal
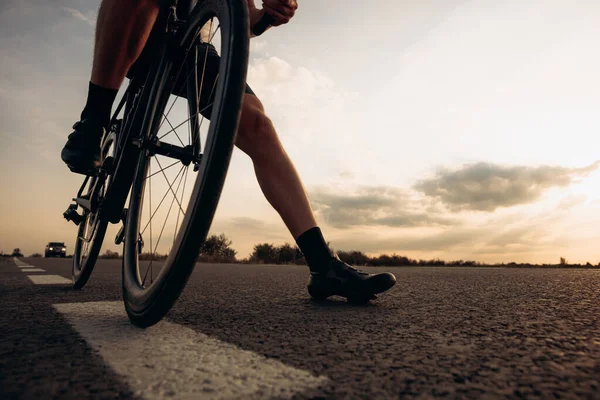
x: 82, y: 151
x: 340, y: 279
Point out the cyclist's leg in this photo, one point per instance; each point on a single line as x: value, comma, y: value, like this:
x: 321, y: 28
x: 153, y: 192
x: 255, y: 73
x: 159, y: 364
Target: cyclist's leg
x: 122, y: 29
x: 283, y: 189
x: 275, y: 171
x: 256, y: 137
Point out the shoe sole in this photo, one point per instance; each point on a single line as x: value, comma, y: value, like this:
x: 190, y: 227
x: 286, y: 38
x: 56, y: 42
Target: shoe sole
x: 360, y: 297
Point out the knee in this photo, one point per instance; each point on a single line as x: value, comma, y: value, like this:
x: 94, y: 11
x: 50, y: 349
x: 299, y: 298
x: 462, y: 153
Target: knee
x: 256, y: 134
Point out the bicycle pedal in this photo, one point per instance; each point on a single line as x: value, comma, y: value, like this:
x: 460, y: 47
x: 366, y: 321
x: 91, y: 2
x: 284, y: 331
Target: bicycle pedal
x: 72, y: 215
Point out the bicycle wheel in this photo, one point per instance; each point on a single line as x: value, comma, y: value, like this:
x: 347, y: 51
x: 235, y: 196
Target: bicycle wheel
x: 92, y: 228
x: 181, y: 201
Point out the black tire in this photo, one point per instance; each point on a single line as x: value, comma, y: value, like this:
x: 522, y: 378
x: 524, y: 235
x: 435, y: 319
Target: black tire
x: 83, y: 264
x: 91, y: 230
x: 146, y: 304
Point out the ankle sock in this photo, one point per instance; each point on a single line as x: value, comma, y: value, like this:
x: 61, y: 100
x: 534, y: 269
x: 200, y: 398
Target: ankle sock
x: 315, y: 249
x: 99, y: 104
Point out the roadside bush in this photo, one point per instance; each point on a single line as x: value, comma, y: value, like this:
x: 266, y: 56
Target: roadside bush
x: 110, y: 255
x: 286, y: 254
x: 149, y: 256
x: 217, y: 249
x: 35, y: 255
x: 264, y: 253
x: 353, y: 257
x: 17, y: 253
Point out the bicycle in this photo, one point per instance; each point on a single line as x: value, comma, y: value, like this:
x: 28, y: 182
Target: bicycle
x: 138, y: 140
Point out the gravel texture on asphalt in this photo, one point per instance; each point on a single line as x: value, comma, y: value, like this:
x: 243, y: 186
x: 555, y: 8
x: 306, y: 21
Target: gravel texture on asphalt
x: 440, y: 332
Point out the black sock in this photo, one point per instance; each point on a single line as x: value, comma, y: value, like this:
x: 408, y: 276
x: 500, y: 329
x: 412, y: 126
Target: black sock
x: 99, y: 105
x: 315, y: 249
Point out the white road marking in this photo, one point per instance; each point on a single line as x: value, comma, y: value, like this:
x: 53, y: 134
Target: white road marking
x: 49, y: 280
x: 32, y: 269
x: 20, y: 263
x: 172, y: 361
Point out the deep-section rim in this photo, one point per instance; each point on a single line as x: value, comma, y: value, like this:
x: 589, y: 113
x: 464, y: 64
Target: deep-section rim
x: 146, y: 306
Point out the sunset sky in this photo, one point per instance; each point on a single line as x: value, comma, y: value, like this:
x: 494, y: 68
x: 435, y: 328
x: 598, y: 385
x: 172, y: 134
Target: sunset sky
x: 432, y: 128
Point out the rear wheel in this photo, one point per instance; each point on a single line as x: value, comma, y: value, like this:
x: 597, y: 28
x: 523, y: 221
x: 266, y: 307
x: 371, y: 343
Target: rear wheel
x: 173, y: 200
x: 92, y: 228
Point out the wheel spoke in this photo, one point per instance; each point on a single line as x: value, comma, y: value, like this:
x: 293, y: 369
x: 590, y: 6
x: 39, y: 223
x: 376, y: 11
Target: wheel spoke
x: 183, y: 83
x: 174, y: 128
x: 215, y: 32
x: 189, y: 118
x: 174, y: 131
x: 178, y: 212
x: 171, y: 188
x: 150, y: 222
x: 209, y: 97
x: 166, y: 168
x: 159, y: 204
x: 153, y: 249
x: 188, y: 77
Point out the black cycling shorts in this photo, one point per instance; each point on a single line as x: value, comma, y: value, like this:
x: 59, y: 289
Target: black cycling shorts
x: 208, y: 71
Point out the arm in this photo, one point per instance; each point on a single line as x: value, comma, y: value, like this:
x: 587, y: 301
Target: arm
x: 281, y: 10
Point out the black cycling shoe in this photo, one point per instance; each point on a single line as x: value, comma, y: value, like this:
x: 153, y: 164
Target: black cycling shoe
x: 340, y: 279
x: 82, y: 151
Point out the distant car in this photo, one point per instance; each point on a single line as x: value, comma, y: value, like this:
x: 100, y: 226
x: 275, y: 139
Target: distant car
x: 55, y: 249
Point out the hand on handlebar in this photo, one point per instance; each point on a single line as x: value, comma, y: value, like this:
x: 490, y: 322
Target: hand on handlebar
x: 273, y: 13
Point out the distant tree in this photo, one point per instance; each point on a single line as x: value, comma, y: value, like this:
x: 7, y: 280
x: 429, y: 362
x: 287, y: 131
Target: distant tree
x: 264, y: 253
x: 286, y: 254
x: 152, y: 256
x: 354, y: 257
x: 217, y: 248
x: 17, y: 253
x: 563, y: 261
x: 110, y: 255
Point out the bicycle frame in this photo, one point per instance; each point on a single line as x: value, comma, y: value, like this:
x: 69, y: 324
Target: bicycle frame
x: 129, y: 140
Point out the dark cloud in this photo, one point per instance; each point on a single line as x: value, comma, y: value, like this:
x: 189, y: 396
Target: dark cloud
x: 486, y: 187
x: 374, y: 206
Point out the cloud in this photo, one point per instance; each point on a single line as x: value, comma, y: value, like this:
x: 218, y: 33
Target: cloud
x: 486, y: 187
x: 374, y: 206
x: 572, y: 201
x: 301, y: 101
x: 257, y: 45
x: 90, y: 19
x: 496, y: 238
x: 441, y: 241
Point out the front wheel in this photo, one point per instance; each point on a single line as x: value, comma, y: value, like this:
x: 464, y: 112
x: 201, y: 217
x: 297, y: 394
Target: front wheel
x: 175, y: 192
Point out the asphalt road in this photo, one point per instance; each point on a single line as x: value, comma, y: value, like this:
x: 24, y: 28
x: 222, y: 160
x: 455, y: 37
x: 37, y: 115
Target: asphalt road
x: 246, y: 331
